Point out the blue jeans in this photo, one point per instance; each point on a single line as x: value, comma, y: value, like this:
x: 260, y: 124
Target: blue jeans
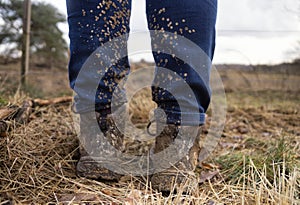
x: 93, y: 23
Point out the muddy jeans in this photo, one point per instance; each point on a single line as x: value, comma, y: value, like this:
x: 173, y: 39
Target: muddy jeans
x: 92, y: 23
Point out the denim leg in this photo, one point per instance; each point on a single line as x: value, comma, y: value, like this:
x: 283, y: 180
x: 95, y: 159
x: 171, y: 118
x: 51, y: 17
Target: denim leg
x: 195, y: 20
x: 92, y: 23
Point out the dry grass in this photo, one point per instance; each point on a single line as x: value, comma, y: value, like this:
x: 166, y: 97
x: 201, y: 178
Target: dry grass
x: 38, y: 166
x: 257, y: 158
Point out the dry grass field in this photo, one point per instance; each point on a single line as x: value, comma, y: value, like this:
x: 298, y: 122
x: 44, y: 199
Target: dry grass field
x: 257, y: 160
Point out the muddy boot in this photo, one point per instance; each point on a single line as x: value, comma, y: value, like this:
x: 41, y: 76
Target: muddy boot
x: 182, y: 171
x: 93, y: 158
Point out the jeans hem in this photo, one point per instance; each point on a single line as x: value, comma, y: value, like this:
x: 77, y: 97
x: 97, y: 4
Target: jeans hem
x: 185, y: 118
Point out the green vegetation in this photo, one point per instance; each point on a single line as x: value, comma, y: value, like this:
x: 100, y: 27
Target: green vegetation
x: 271, y: 159
x: 2, y: 101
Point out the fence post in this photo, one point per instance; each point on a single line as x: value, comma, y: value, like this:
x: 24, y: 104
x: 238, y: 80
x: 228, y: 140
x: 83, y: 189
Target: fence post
x: 26, y: 41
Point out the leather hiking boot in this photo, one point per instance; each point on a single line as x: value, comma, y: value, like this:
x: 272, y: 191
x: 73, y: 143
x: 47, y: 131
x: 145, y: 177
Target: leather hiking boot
x: 183, y: 170
x: 94, y: 153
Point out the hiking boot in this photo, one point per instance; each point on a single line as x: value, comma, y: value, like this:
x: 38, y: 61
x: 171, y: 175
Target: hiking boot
x: 182, y: 171
x: 94, y: 153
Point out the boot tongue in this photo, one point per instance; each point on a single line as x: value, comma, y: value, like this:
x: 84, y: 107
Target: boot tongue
x: 102, y: 121
x: 103, y: 125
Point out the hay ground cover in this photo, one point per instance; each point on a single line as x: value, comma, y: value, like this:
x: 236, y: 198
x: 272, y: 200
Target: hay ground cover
x: 257, y: 160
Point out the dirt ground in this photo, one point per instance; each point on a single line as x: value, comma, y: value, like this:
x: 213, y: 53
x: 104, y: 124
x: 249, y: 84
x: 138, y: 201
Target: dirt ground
x: 256, y: 161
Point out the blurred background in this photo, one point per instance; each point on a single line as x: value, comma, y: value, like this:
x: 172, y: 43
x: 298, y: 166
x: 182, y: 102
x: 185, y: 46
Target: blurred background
x: 251, y: 35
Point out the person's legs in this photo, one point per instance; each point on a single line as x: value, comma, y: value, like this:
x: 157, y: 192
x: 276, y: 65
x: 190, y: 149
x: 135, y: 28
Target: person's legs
x: 195, y: 21
x: 93, y: 23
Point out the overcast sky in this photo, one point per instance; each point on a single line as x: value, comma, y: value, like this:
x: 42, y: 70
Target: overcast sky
x: 249, y: 31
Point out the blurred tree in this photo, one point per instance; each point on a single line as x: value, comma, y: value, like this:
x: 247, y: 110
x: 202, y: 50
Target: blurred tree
x: 48, y: 47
